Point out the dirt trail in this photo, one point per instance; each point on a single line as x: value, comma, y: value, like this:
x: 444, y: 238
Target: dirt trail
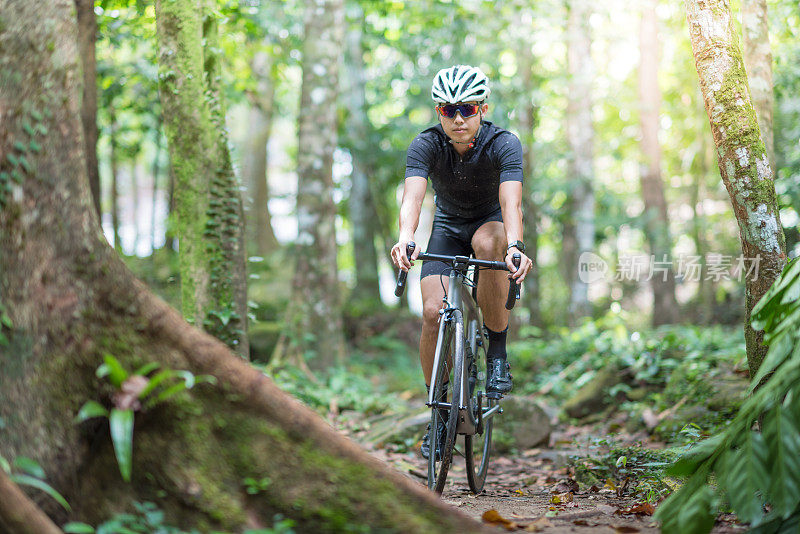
x: 523, y: 490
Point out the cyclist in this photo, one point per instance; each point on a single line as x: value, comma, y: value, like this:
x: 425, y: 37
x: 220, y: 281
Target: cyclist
x: 475, y: 168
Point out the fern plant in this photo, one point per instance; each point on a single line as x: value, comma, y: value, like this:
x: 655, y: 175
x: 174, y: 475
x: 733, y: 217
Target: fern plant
x: 140, y: 390
x: 757, y: 474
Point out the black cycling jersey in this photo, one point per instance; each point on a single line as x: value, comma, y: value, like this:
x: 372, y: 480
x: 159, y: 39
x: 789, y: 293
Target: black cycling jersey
x: 466, y: 186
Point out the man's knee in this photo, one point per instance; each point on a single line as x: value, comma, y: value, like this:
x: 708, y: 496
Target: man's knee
x: 430, y: 311
x: 490, y: 246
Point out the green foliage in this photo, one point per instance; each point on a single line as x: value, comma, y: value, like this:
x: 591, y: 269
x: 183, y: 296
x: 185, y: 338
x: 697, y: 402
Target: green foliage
x: 27, y: 472
x: 657, y: 369
x: 134, y: 391
x: 255, y: 486
x: 147, y: 518
x: 641, y: 470
x: 340, y: 387
x: 756, y: 473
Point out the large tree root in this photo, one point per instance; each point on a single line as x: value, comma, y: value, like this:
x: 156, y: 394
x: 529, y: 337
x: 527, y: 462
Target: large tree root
x: 18, y: 514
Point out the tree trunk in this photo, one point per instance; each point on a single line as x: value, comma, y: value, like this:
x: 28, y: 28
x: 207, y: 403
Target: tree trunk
x: 366, y: 292
x: 208, y: 204
x: 742, y: 157
x: 87, y: 35
x: 579, y: 229
x: 656, y: 218
x: 72, y: 300
x: 154, y: 204
x: 758, y: 62
x: 114, y: 167
x: 256, y: 163
x: 527, y: 124
x: 314, y: 317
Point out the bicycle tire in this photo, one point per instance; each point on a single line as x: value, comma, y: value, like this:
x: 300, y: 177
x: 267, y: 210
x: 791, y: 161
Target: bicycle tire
x: 477, y: 447
x: 438, y: 468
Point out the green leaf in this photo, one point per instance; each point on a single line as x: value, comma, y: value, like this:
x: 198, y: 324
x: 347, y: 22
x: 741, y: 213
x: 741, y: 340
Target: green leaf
x: 19, y: 146
x: 147, y: 368
x: 169, y: 392
x: 783, y: 438
x: 89, y: 410
x: 4, y: 465
x: 77, y: 528
x: 689, y: 463
x: 5, y: 320
x: 26, y: 480
x: 698, y: 514
x: 35, y: 147
x: 121, y: 424
x: 188, y: 378
x: 743, y: 473
x: 116, y: 373
x: 776, y: 355
x: 29, y: 466
x: 154, y: 382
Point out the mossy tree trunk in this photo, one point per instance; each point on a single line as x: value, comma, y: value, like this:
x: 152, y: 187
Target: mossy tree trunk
x: 656, y: 218
x: 758, y: 62
x: 741, y: 154
x: 314, y: 316
x: 71, y: 300
x: 579, y: 226
x: 208, y: 205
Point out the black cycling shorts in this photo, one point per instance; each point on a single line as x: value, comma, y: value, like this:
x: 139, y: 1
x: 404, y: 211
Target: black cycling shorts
x: 452, y: 236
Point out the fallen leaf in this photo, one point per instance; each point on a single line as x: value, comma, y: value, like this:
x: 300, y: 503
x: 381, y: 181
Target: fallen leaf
x: 610, y: 485
x: 493, y: 517
x: 624, y: 529
x: 538, y: 525
x: 642, y: 508
x: 561, y: 498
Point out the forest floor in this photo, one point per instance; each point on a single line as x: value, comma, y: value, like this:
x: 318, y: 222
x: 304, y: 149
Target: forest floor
x: 535, y: 490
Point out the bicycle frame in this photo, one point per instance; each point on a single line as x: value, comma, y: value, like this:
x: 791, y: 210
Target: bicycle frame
x: 459, y: 297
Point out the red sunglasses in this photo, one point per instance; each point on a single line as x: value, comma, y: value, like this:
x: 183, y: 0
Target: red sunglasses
x: 466, y: 110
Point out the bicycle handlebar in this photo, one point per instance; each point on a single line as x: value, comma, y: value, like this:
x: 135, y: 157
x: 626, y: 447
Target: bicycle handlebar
x: 513, y: 287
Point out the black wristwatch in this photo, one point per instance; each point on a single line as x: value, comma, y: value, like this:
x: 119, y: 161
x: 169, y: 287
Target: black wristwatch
x: 519, y: 245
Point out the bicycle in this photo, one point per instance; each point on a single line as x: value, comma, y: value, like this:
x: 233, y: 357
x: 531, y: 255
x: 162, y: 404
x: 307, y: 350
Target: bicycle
x: 459, y: 369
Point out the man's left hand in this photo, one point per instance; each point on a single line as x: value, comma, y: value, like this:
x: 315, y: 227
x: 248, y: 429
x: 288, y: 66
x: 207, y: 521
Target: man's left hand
x: 525, y: 264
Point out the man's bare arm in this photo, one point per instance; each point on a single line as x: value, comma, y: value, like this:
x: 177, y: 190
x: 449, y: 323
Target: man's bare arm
x: 511, y: 204
x: 410, y: 207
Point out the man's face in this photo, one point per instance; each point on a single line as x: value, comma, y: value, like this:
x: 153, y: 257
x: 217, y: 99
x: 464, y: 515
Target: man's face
x: 459, y: 128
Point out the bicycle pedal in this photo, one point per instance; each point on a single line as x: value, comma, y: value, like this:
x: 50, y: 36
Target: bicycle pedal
x: 494, y: 395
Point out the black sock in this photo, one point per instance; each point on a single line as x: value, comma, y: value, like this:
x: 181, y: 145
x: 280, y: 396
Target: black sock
x: 497, y: 344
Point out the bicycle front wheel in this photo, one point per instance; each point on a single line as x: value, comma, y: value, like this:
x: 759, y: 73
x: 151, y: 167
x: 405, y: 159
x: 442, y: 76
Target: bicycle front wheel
x: 477, y: 447
x: 447, y: 386
x: 477, y: 450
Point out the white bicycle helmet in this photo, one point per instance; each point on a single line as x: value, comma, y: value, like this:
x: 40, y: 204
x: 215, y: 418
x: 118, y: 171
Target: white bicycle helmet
x: 460, y: 83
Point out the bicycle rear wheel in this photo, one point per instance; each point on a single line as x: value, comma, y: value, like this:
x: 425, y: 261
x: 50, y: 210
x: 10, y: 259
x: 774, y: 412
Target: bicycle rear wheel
x: 477, y: 447
x: 439, y: 464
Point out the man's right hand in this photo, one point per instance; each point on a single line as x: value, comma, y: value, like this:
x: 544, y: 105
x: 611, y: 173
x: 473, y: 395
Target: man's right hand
x: 399, y: 256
